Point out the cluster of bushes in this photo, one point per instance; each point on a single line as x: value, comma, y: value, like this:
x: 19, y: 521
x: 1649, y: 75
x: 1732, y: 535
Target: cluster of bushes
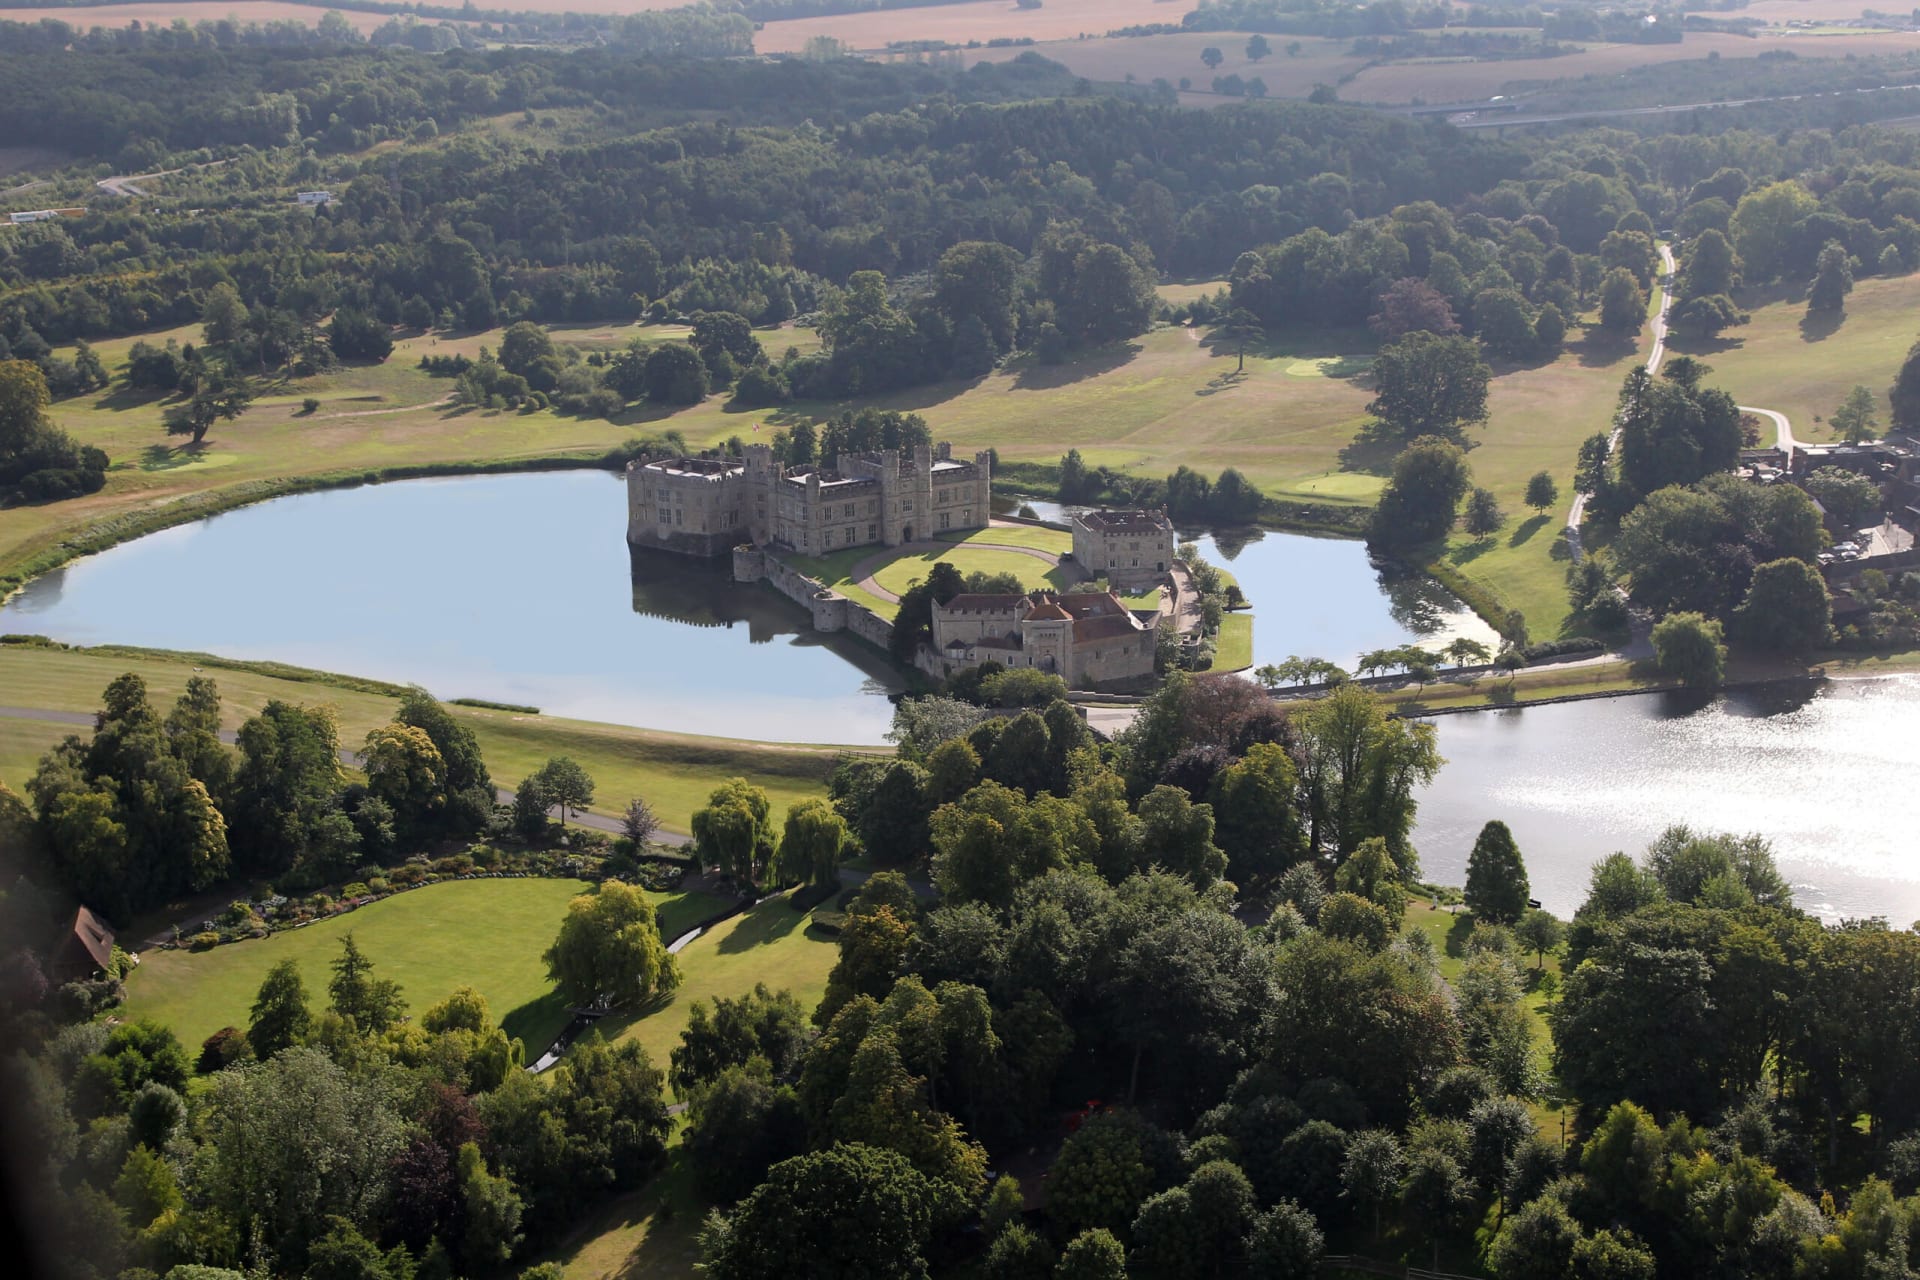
x: 38, y: 461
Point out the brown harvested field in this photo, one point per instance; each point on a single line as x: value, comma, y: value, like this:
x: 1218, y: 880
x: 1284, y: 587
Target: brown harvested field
x: 1469, y: 81
x: 958, y: 23
x: 119, y: 15
x: 1146, y: 58
x: 1781, y: 12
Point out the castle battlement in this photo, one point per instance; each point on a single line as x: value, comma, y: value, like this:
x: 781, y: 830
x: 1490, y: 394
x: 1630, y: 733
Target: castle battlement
x: 884, y: 498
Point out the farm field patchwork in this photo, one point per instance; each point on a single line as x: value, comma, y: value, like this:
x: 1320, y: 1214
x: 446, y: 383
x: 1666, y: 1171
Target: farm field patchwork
x: 1174, y: 57
x: 164, y: 13
x: 980, y: 20
x: 487, y: 934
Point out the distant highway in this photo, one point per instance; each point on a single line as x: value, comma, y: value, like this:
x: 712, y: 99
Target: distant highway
x: 1502, y: 115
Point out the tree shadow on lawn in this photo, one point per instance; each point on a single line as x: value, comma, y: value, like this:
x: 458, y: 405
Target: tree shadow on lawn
x: 1701, y: 347
x: 1599, y: 349
x: 1818, y: 326
x: 1526, y: 529
x: 536, y: 1023
x: 1458, y: 933
x: 768, y: 922
x: 1472, y: 551
x: 162, y: 457
x: 1034, y: 376
x: 124, y: 397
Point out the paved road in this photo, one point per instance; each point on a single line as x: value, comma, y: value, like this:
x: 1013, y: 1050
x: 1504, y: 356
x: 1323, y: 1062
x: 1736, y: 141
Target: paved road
x: 1785, y: 428
x: 592, y: 821
x: 1578, y: 510
x: 1497, y: 121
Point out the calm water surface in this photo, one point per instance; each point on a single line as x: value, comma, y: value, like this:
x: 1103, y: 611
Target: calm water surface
x: 1323, y: 597
x: 513, y: 588
x: 1824, y: 772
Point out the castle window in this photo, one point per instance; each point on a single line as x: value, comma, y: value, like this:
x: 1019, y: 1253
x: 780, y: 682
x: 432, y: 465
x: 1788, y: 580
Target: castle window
x: 873, y: 505
x: 873, y: 533
x: 678, y: 517
x: 945, y: 496
x: 966, y: 517
x: 906, y: 504
x: 946, y: 520
x: 849, y: 510
x: 826, y: 539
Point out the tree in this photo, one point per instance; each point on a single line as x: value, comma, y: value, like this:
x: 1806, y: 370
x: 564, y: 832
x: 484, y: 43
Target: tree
x: 221, y: 395
x: 675, y: 374
x: 851, y: 1210
x: 1903, y: 397
x: 359, y: 335
x: 1240, y: 328
x: 1855, y: 421
x: 1710, y: 268
x: 1484, y: 516
x: 1097, y: 1255
x: 733, y: 833
x: 638, y: 822
x: 566, y: 784
x: 1832, y: 280
x: 1786, y: 610
x: 1421, y: 498
x: 1257, y: 48
x: 1850, y: 498
x: 223, y: 317
x: 1623, y: 304
x: 1411, y: 304
x: 813, y: 841
x: 1688, y: 647
x: 1541, y: 491
x: 609, y: 953
x: 405, y: 769
x: 1285, y: 1243
x: 1370, y: 1175
x: 1212, y: 57
x: 373, y: 1003
x: 1540, y: 932
x: 1496, y: 876
x: 1430, y: 384
x: 1537, y: 1244
x: 1762, y: 227
x: 762, y: 1024
x: 740, y: 1124
x: 280, y: 1017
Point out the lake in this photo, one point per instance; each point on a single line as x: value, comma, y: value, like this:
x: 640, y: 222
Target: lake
x: 521, y: 588
x: 515, y: 588
x: 1320, y: 597
x: 1819, y: 770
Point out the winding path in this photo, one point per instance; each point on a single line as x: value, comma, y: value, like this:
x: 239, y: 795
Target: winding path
x: 1787, y: 440
x: 1578, y: 510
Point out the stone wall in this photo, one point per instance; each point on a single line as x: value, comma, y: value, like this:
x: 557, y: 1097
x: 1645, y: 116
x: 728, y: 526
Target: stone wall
x: 829, y: 610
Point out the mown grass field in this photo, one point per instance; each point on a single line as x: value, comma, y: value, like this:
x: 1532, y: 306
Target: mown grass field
x: 772, y: 943
x: 1780, y: 361
x: 674, y: 772
x: 487, y: 934
x: 1143, y: 59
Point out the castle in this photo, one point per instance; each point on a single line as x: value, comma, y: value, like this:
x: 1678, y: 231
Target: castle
x: 1086, y: 638
x: 757, y: 509
x: 1130, y: 549
x: 707, y: 506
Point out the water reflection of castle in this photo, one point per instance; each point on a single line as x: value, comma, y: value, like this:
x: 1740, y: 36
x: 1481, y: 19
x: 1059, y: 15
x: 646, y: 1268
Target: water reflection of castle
x: 703, y: 595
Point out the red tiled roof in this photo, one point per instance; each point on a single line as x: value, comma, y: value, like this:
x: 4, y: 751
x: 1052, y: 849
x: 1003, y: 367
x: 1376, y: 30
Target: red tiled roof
x: 1107, y: 628
x: 1048, y: 611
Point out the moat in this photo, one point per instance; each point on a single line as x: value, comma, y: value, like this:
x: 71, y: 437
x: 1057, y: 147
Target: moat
x: 521, y: 589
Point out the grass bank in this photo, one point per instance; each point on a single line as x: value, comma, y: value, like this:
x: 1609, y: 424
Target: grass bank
x: 674, y: 772
x: 487, y: 934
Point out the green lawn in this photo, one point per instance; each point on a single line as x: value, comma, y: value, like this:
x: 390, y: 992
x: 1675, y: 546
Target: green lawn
x: 913, y: 566
x: 674, y: 772
x: 1780, y: 362
x: 1054, y: 541
x: 487, y: 934
x: 772, y: 943
x: 1233, y: 647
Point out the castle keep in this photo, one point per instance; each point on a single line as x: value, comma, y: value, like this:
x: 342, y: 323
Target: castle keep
x: 706, y: 506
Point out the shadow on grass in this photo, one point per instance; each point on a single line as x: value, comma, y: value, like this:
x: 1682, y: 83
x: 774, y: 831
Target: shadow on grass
x: 1034, y: 376
x: 1702, y: 347
x: 1526, y: 529
x: 162, y: 457
x: 130, y: 398
x: 1818, y: 326
x: 1472, y: 551
x: 1457, y: 934
x: 768, y: 922
x: 1600, y: 349
x: 536, y: 1023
